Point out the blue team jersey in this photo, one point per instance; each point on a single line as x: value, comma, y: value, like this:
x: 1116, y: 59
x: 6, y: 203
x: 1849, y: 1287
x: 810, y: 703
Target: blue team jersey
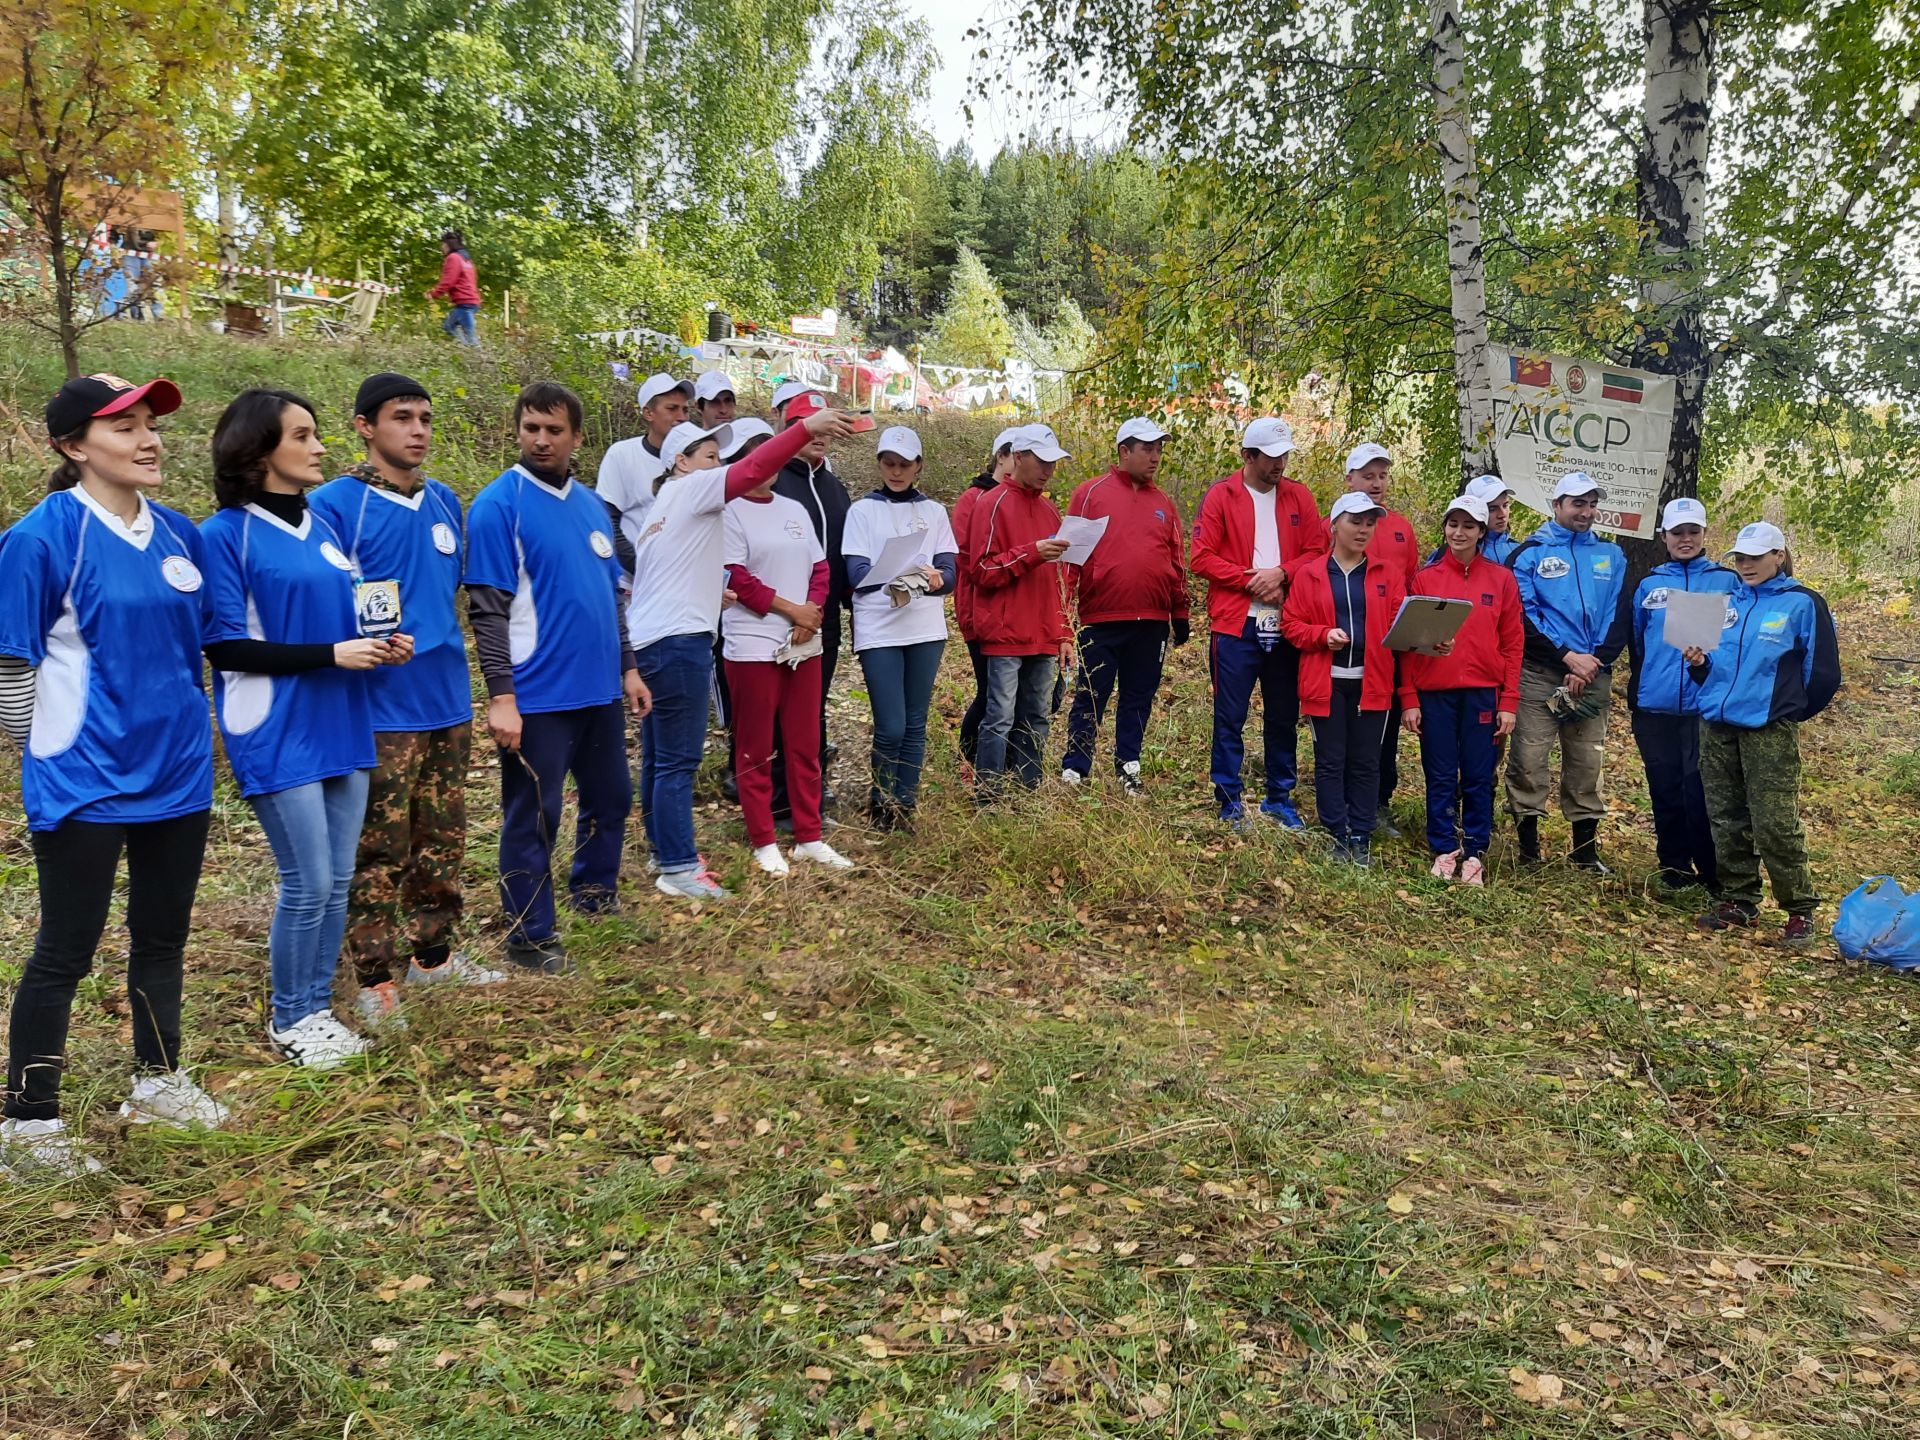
x: 1661, y: 682
x: 414, y: 540
x: 270, y: 581
x: 114, y: 619
x: 552, y: 551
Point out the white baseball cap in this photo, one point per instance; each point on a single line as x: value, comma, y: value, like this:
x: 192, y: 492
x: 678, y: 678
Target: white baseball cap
x: 682, y: 438
x: 1759, y: 538
x: 1269, y: 435
x: 1040, y: 442
x: 1005, y: 438
x: 1364, y: 453
x: 1684, y: 511
x: 898, y: 440
x: 1488, y: 488
x: 713, y: 383
x: 786, y: 390
x: 1577, y: 482
x: 654, y: 386
x: 742, y: 433
x: 1471, y: 505
x: 1140, y: 428
x: 1354, y: 503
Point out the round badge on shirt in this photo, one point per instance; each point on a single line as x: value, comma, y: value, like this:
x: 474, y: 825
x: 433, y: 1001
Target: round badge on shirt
x: 443, y: 538
x: 181, y: 573
x: 602, y: 546
x: 331, y: 554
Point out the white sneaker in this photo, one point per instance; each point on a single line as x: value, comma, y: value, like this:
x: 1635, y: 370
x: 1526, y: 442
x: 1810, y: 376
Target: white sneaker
x: 379, y: 1007
x: 691, y: 885
x: 1130, y: 778
x: 171, y: 1098
x: 458, y: 969
x: 1071, y: 777
x: 822, y: 853
x: 317, y: 1041
x: 43, y: 1149
x: 769, y: 859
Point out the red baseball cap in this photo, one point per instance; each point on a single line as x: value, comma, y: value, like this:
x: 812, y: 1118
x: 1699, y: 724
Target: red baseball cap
x: 92, y: 396
x: 803, y: 407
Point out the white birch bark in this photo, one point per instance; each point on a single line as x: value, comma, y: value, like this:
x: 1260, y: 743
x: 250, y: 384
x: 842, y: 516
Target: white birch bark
x: 1466, y: 268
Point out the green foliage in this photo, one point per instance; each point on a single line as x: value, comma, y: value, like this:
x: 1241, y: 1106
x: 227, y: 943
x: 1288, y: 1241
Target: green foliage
x: 1066, y: 343
x: 973, y: 327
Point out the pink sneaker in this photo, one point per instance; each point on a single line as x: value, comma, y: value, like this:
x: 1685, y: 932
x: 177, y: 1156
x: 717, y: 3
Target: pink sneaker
x: 1473, y: 871
x: 1445, y: 866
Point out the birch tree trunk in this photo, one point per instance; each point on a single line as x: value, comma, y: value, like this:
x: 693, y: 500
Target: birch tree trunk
x: 1466, y: 268
x: 636, y: 79
x: 1672, y: 178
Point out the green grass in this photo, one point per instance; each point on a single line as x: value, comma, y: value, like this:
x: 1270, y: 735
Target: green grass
x: 1080, y: 1119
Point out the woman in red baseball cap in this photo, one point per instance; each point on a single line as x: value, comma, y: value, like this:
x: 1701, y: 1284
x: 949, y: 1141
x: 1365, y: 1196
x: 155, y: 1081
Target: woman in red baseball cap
x: 102, y: 617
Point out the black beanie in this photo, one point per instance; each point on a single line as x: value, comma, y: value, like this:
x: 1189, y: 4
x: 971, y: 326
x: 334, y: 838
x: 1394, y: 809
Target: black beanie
x: 376, y: 390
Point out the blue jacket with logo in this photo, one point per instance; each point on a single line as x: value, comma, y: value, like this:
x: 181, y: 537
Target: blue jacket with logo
x: 1778, y: 660
x: 1660, y: 681
x: 1573, y: 595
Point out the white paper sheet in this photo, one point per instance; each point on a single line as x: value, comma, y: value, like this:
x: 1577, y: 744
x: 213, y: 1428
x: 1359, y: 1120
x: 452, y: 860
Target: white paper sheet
x: 897, y: 556
x: 1695, y: 617
x: 1081, y: 535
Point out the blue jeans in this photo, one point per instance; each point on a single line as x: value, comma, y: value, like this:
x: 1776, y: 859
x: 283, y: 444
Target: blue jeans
x: 1129, y: 653
x: 678, y: 670
x: 590, y: 744
x: 900, y: 689
x: 1013, y: 732
x: 459, y: 324
x: 1459, y: 756
x: 314, y: 830
x: 1239, y: 663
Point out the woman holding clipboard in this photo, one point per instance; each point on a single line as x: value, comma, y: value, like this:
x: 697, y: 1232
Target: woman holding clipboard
x: 1462, y: 704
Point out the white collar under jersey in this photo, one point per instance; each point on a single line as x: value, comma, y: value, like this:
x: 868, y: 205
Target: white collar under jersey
x: 139, y: 534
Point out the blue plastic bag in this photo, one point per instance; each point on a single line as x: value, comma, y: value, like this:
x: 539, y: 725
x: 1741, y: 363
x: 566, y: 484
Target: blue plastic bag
x: 1880, y: 923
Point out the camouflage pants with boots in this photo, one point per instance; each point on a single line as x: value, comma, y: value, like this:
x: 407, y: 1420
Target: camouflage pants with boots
x: 406, y: 879
x: 1752, y: 780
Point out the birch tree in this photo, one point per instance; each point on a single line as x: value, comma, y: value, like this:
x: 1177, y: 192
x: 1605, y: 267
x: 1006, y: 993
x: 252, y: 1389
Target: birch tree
x: 1466, y: 266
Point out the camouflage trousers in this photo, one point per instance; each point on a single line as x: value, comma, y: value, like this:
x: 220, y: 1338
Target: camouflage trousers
x: 406, y: 879
x: 1752, y: 780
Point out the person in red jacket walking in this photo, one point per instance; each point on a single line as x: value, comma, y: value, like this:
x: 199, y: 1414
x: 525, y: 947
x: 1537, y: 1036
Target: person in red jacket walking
x: 1019, y: 611
x: 999, y: 466
x: 1131, y: 599
x: 460, y: 284
x: 1463, y: 704
x: 1337, y: 614
x: 1255, y: 530
x: 1396, y: 544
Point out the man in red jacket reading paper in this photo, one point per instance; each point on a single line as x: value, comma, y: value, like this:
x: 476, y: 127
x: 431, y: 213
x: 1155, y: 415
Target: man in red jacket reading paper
x: 1019, y: 611
x: 1254, y: 529
x: 1130, y: 596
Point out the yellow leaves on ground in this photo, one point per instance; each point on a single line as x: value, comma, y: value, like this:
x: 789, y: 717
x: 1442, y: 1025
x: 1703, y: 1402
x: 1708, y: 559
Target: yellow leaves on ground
x: 1536, y: 1389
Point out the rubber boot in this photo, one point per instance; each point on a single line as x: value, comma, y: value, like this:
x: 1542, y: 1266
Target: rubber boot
x: 1529, y: 826
x: 1586, y: 847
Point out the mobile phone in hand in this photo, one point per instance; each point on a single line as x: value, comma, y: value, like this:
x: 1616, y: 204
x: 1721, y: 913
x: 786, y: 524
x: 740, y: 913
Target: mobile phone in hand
x: 862, y: 421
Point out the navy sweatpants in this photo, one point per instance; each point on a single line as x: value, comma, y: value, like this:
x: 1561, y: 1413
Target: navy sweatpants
x: 591, y: 745
x: 1123, y: 654
x: 1458, y: 754
x: 1682, y: 838
x: 1346, y: 763
x: 1238, y: 663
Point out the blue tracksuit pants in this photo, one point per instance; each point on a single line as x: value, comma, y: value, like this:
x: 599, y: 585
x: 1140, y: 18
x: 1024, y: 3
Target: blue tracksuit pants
x: 1459, y: 757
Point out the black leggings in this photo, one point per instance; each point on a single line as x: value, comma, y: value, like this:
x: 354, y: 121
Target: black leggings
x: 77, y: 865
x: 977, y: 707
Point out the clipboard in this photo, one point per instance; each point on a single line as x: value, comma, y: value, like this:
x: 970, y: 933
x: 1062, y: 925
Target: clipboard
x: 1425, y: 621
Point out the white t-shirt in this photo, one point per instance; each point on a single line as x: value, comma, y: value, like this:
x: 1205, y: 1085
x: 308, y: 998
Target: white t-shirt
x: 678, y: 572
x: 871, y: 523
x: 627, y: 473
x: 1266, y: 527
x: 774, y: 539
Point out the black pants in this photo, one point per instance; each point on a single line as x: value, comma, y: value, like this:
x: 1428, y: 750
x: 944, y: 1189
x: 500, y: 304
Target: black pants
x: 77, y: 864
x: 1682, y: 838
x: 976, y: 707
x: 1390, y: 743
x: 1123, y: 653
x: 1346, y: 763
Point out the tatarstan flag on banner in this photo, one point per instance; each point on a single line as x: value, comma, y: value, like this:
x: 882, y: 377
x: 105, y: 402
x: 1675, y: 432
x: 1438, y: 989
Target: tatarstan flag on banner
x: 1620, y: 387
x: 1530, y: 372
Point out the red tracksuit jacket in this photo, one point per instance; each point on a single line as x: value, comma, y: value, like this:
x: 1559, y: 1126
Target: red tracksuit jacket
x: 962, y: 581
x: 1308, y: 615
x: 1138, y: 571
x: 1223, y: 543
x: 1394, y: 542
x: 1487, y: 650
x: 1019, y: 602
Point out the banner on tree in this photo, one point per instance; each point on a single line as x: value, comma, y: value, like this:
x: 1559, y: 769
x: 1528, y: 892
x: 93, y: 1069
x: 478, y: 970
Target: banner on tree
x: 1552, y: 414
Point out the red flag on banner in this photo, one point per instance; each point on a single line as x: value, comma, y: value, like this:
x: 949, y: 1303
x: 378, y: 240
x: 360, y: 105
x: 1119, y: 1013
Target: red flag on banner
x: 1530, y: 372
